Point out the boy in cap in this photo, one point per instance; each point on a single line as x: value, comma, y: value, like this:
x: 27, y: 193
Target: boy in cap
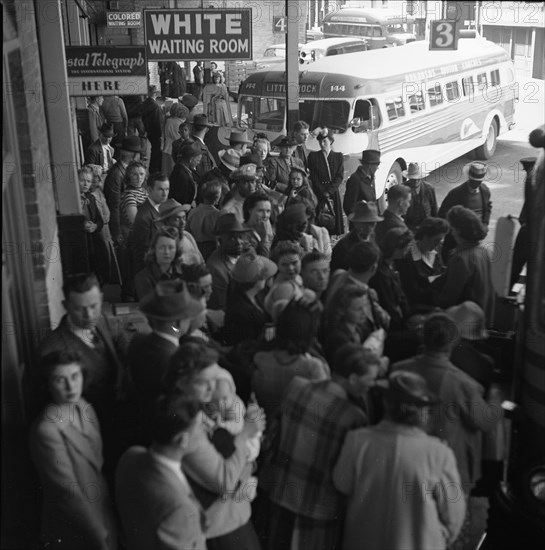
x: 361, y: 184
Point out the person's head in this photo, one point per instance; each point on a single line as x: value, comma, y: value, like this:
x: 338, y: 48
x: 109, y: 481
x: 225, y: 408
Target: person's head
x: 173, y: 214
x: 198, y: 294
x: 190, y: 155
x: 399, y: 199
x: 309, y: 207
x: 395, y: 242
x: 231, y: 233
x: 406, y: 398
x: 192, y: 371
x: 349, y: 306
x: 363, y: 258
x: 224, y: 395
x: 262, y: 147
x: 136, y: 174
x: 357, y: 367
x: 440, y: 333
x: 158, y: 187
x: 364, y: 219
x: 296, y: 328
x: 287, y: 256
x: 173, y: 421
x: 163, y: 248
x: 245, y: 180
x: 293, y: 222
x: 287, y: 146
x: 216, y: 78
x: 370, y: 160
x: 131, y: 149
x: 471, y: 320
x: 297, y: 177
x: 257, y: 208
x: 153, y: 92
x: 63, y: 376
x: 200, y: 275
x: 184, y: 130
x: 97, y: 100
x: 211, y: 192
x: 238, y: 140
x: 179, y: 111
x: 85, y: 179
x: 476, y: 173
x: 315, y: 271
x: 301, y: 131
x: 465, y: 225
x: 252, y: 271
x: 430, y: 233
x: 106, y: 133
x: 325, y: 140
x: 97, y: 176
x: 200, y: 125
x: 213, y: 66
x: 414, y: 175
x: 83, y: 300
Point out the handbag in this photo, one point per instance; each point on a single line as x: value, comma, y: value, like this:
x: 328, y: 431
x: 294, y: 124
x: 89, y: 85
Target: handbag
x: 325, y: 216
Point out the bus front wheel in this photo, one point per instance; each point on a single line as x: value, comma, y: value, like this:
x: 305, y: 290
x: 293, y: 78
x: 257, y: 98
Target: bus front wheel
x: 394, y: 177
x: 488, y: 148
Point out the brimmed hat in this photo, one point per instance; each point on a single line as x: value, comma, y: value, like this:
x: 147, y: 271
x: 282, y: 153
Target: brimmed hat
x: 201, y: 120
x: 407, y: 387
x: 325, y: 133
x: 251, y: 268
x: 228, y: 223
x: 132, y: 144
x: 253, y: 158
x: 470, y: 319
x: 298, y: 169
x: 170, y: 301
x: 171, y: 207
x: 229, y: 158
x: 188, y: 100
x: 414, y: 171
x: 247, y: 172
x: 190, y: 150
x: 107, y: 130
x: 153, y: 89
x: 365, y: 212
x: 287, y: 141
x: 239, y: 137
x: 370, y: 156
x: 477, y: 171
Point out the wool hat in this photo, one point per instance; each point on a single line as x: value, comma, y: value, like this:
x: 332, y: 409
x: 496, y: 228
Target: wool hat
x: 365, y: 211
x: 201, y: 120
x: 188, y: 100
x: 407, y: 387
x: 228, y: 223
x: 470, y: 319
x: 107, y: 130
x: 414, y: 172
x: 298, y: 169
x: 171, y: 207
x: 170, y: 301
x: 229, y: 158
x: 477, y: 171
x: 132, y: 144
x: 251, y: 268
x: 239, y: 137
x: 370, y: 156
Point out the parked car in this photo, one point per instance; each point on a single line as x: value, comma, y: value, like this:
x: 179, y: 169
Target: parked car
x: 330, y: 46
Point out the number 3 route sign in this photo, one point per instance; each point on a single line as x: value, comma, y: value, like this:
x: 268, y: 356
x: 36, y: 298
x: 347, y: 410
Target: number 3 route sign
x: 280, y: 24
x: 443, y: 35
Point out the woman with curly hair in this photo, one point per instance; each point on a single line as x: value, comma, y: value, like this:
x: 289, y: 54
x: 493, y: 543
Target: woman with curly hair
x: 468, y: 274
x: 162, y: 262
x: 215, y: 101
x: 178, y: 115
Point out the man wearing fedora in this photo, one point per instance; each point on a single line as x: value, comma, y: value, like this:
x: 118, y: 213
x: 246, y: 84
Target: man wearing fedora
x: 101, y: 152
x: 222, y: 261
x: 184, y: 180
x: 361, y: 184
x: 245, y: 184
x: 279, y: 168
x: 153, y: 119
x: 238, y: 141
x: 229, y: 162
x: 363, y: 220
x: 200, y: 129
x: 423, y: 198
x: 169, y: 310
x: 114, y: 184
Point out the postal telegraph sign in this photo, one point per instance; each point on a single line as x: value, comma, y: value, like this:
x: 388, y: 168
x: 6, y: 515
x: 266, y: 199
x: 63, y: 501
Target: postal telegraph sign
x: 106, y: 70
x: 198, y: 35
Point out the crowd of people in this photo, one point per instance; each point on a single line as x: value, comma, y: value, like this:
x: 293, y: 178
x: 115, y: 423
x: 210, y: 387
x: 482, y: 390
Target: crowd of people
x: 300, y: 386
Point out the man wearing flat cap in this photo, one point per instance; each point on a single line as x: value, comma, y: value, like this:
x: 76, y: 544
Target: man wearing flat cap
x: 363, y: 220
x: 279, y: 168
x: 153, y: 119
x: 169, y: 310
x: 361, y: 184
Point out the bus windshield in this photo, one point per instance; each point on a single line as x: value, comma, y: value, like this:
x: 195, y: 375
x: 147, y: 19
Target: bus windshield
x: 268, y: 113
x: 396, y: 28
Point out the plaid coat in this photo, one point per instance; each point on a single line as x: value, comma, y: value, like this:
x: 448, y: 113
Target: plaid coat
x: 315, y: 419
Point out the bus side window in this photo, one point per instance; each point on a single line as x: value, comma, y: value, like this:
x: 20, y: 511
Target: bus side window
x: 395, y: 108
x: 468, y: 86
x: 481, y: 81
x: 416, y: 102
x: 435, y: 96
x: 452, y: 90
x: 377, y: 31
x: 495, y: 77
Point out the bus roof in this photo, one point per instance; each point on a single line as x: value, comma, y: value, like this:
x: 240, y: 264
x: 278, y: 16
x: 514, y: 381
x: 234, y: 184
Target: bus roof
x: 382, y: 16
x: 336, y: 77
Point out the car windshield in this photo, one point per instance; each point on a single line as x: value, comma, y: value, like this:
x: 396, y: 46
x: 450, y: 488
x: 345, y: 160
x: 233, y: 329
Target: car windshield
x: 396, y: 28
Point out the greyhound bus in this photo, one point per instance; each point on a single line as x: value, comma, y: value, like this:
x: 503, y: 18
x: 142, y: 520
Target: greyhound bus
x: 410, y: 103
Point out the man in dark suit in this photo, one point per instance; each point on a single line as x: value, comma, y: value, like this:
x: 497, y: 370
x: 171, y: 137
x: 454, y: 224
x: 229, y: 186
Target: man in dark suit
x: 423, y: 200
x: 184, y: 180
x: 156, y: 504
x: 169, y: 309
x: 300, y: 133
x: 399, y: 200
x: 101, y: 152
x: 144, y: 223
x: 200, y: 129
x: 153, y: 118
x: 361, y: 184
x: 103, y: 349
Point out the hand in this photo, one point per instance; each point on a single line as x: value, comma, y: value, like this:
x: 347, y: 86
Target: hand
x: 254, y: 421
x: 90, y: 227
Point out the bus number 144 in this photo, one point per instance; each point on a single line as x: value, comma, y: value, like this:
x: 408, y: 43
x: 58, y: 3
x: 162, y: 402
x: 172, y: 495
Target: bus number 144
x: 338, y: 88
